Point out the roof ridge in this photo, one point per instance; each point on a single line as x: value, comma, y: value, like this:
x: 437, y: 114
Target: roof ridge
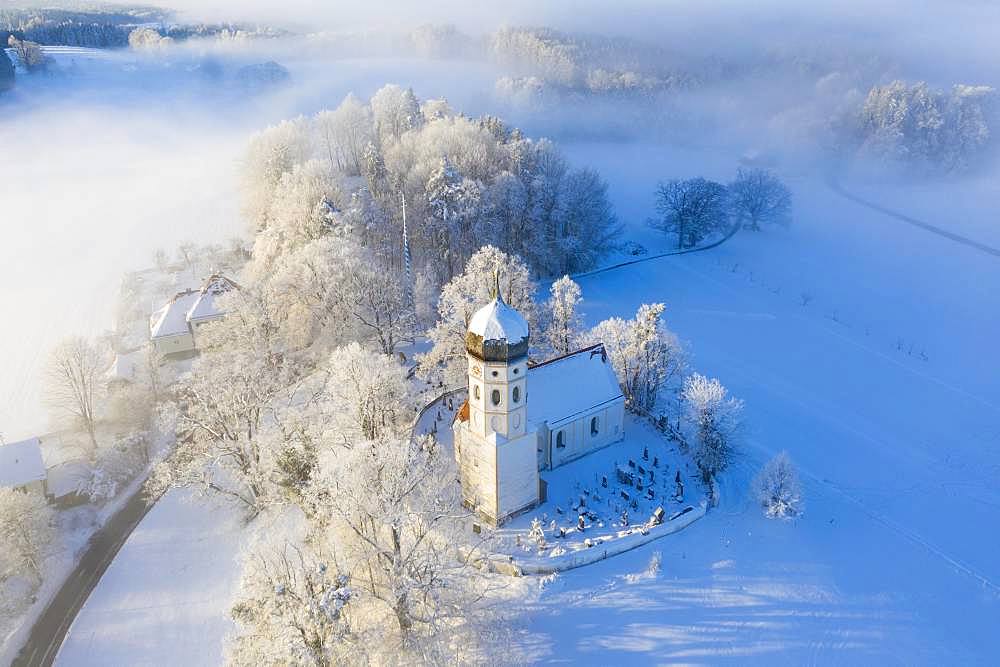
x: 568, y: 355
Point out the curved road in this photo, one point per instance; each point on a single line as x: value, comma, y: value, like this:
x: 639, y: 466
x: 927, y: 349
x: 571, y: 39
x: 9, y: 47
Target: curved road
x: 926, y: 226
x: 51, y: 627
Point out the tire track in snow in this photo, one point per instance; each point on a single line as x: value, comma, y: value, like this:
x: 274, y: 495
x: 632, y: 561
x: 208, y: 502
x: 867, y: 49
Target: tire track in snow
x: 835, y: 185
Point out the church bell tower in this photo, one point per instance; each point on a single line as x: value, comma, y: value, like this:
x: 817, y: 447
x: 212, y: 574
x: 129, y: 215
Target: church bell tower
x: 495, y: 448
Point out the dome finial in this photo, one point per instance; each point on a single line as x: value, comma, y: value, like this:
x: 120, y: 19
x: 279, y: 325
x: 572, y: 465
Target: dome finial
x: 496, y: 283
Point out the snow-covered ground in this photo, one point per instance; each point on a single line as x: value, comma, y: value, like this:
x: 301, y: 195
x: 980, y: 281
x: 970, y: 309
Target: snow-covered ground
x: 895, y: 560
x: 165, y: 599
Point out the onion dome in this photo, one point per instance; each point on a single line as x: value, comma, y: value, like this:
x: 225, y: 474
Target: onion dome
x: 497, y: 332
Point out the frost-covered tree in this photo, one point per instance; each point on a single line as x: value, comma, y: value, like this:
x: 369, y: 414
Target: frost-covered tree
x: 270, y: 154
x: 454, y: 206
x: 117, y: 464
x: 778, y: 489
x: 714, y: 416
x: 373, y: 169
x: 462, y: 297
x: 392, y: 512
x: 925, y: 128
x: 148, y: 38
x: 563, y: 324
x: 29, y: 54
x: 584, y: 224
x: 692, y: 209
x: 344, y: 133
x: 395, y: 110
x: 227, y: 431
x: 370, y: 392
x: 27, y: 530
x: 331, y: 291
x: 73, y: 384
x: 645, y: 354
x: 293, y: 608
x: 303, y: 208
x: 757, y: 196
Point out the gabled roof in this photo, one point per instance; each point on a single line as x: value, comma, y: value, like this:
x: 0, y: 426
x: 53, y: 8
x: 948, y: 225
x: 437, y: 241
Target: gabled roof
x: 190, y: 306
x: 204, y: 307
x: 171, y: 320
x: 21, y: 463
x: 561, y: 389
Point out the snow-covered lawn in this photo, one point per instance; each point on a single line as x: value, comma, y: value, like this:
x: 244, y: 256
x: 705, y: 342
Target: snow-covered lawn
x: 166, y: 597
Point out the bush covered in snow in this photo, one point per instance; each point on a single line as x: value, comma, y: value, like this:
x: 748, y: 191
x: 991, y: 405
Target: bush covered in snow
x: 778, y: 490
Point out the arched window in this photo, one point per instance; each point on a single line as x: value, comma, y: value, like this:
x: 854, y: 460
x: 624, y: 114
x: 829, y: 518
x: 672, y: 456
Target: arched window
x: 517, y: 394
x: 593, y: 426
x: 496, y: 397
x: 560, y: 440
x: 475, y: 391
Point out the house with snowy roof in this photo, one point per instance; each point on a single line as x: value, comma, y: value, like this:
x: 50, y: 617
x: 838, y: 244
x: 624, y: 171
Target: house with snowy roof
x: 173, y: 328
x: 520, y: 419
x: 21, y: 466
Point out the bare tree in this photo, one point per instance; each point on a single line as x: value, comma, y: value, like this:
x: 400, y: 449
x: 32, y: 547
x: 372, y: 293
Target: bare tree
x: 73, y: 383
x: 186, y: 253
x: 758, y: 196
x: 692, y: 209
x: 162, y: 260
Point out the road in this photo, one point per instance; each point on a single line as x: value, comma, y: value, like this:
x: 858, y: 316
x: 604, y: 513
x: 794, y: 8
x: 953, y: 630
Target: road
x: 926, y: 226
x: 49, y: 630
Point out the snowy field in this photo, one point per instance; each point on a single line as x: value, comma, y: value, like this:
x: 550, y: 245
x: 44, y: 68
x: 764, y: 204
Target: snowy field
x: 894, y: 561
x: 165, y: 599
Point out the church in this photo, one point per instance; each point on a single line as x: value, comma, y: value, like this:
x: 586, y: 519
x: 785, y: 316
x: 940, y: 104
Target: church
x: 520, y: 419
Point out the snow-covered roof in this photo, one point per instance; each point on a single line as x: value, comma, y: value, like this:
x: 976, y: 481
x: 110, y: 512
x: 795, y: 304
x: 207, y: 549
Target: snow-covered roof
x: 498, y: 321
x: 171, y: 320
x: 204, y: 307
x: 122, y: 369
x: 21, y: 463
x: 66, y: 479
x: 561, y: 389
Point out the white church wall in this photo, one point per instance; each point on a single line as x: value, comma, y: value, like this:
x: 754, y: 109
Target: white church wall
x: 577, y: 436
x: 517, y: 463
x: 478, y: 472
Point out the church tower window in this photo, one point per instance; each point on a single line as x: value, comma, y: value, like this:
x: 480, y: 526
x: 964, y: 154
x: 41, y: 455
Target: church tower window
x: 496, y: 397
x: 475, y: 391
x: 517, y: 394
